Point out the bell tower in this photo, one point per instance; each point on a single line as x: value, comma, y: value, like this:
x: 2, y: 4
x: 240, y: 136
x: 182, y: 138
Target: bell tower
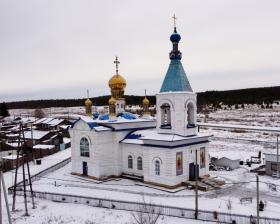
x: 176, y: 102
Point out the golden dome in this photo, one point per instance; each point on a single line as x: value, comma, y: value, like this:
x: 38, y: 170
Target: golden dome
x: 88, y: 103
x: 112, y: 101
x: 117, y: 82
x: 146, y: 101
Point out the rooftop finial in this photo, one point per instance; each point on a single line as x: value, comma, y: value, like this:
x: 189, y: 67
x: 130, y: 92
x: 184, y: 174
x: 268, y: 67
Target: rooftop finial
x: 117, y: 64
x: 87, y: 93
x: 145, y: 92
x: 174, y: 21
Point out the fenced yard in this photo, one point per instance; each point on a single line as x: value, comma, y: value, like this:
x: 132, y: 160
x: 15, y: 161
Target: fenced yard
x: 210, y: 216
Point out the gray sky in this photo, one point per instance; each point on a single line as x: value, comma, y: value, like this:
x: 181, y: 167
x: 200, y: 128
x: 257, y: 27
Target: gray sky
x: 60, y: 48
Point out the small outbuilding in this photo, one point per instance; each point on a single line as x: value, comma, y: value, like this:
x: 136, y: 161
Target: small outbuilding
x: 10, y: 161
x: 271, y: 164
x: 43, y: 150
x: 226, y: 162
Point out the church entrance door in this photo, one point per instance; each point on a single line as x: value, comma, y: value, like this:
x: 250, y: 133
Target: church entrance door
x: 192, y: 167
x: 85, y: 169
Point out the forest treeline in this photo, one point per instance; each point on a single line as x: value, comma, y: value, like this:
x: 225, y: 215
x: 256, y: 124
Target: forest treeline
x: 228, y: 97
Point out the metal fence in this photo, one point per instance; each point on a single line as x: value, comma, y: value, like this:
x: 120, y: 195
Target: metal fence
x: 210, y: 216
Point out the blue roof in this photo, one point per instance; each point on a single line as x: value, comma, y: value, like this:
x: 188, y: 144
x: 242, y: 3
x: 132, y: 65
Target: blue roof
x: 175, y: 79
x: 92, y: 125
x: 127, y: 115
x: 104, y: 117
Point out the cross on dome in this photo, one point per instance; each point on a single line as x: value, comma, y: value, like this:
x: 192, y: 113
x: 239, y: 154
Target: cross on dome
x: 174, y: 20
x: 117, y: 62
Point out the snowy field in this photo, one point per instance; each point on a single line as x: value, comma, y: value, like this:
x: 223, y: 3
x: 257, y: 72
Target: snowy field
x: 48, y: 212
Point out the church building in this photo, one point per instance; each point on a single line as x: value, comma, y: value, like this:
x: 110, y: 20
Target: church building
x: 165, y: 151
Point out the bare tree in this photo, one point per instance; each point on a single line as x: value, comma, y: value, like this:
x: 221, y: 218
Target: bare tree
x: 39, y: 113
x: 148, y: 213
x: 229, y: 204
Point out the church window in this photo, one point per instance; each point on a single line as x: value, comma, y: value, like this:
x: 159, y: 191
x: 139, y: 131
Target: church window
x: 130, y: 162
x: 157, y: 167
x: 190, y: 115
x: 139, y: 163
x: 165, y: 116
x: 84, y: 147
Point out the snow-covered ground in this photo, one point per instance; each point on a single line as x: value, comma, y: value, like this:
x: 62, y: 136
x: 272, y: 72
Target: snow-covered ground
x: 229, y: 143
x: 248, y: 116
x: 48, y: 212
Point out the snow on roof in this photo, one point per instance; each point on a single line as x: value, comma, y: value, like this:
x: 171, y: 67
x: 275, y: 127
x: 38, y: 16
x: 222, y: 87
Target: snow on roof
x: 271, y: 157
x: 15, y: 128
x: 92, y: 123
x: 101, y: 128
x: 154, y: 135
x: 64, y: 126
x: 40, y: 120
x: 11, y: 157
x: 44, y: 146
x: 36, y: 134
x: 137, y: 137
x: 28, y: 119
x: 12, y: 135
x: 119, y: 120
x: 66, y: 140
x: 55, y: 122
x: 47, y: 120
x: 13, y: 144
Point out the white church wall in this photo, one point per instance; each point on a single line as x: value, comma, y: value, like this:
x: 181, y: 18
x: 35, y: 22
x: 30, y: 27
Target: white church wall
x: 110, y: 149
x: 104, y: 157
x: 167, y: 156
x: 79, y: 131
x: 135, y: 151
x: 179, y: 117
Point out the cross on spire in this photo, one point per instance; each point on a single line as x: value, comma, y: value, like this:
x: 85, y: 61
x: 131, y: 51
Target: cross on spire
x: 87, y: 93
x: 174, y: 20
x: 117, y: 64
x: 145, y: 92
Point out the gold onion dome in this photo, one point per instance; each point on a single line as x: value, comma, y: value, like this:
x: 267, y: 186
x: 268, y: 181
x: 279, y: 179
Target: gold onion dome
x: 112, y: 101
x: 117, y: 82
x: 88, y: 102
x: 146, y: 101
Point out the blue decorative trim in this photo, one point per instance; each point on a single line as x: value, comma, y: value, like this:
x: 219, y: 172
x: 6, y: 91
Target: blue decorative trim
x: 177, y: 146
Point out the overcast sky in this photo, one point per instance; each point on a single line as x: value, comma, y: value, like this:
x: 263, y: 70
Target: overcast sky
x: 60, y: 48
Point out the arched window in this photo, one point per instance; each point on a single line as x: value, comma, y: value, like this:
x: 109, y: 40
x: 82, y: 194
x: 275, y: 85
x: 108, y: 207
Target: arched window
x: 190, y: 114
x: 130, y: 162
x: 84, y: 147
x: 157, y: 167
x: 165, y: 116
x: 139, y: 163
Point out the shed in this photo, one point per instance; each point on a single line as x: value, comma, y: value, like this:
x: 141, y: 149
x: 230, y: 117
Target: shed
x: 10, y: 161
x: 226, y: 162
x: 271, y: 164
x: 43, y: 150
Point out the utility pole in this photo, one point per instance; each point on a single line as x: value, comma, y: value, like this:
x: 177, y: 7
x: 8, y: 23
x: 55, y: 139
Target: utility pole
x: 0, y: 199
x: 258, y: 199
x: 277, y: 158
x: 196, y: 187
x: 22, y: 149
x: 3, y: 186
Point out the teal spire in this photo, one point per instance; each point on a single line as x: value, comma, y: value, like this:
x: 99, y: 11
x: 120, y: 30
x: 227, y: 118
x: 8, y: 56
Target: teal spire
x: 175, y: 79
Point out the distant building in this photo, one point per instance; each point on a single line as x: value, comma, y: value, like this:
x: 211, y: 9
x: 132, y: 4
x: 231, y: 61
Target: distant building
x: 226, y: 162
x: 276, y: 104
x: 271, y: 164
